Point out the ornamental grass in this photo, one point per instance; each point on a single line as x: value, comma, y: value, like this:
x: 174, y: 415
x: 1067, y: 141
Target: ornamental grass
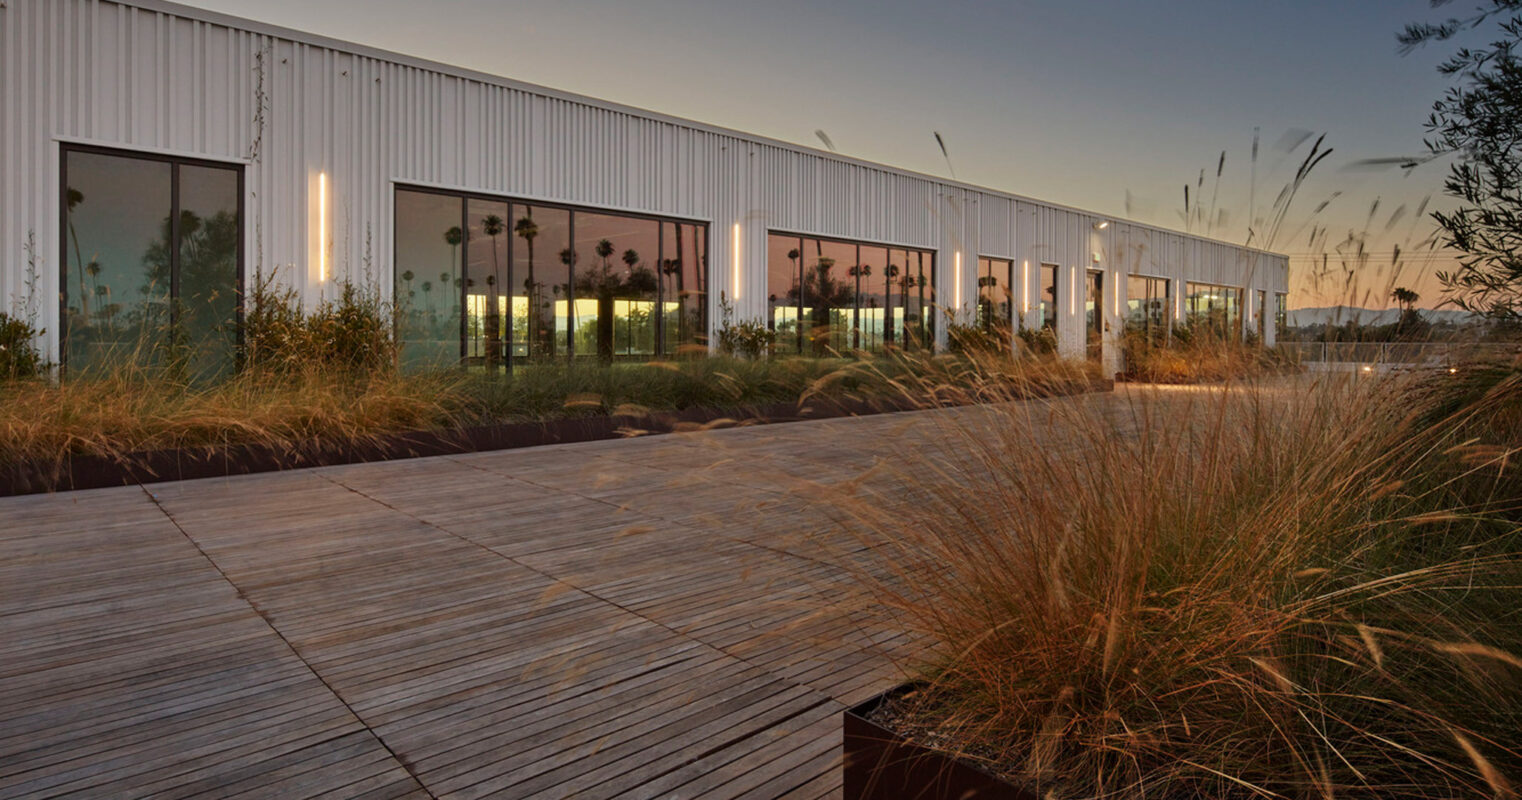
x: 1292, y: 588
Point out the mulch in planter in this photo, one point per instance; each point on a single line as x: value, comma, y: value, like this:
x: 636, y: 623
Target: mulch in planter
x: 84, y: 471
x: 881, y: 764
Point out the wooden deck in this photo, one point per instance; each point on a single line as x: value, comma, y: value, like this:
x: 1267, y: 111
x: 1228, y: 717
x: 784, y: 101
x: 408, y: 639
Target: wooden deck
x: 647, y: 618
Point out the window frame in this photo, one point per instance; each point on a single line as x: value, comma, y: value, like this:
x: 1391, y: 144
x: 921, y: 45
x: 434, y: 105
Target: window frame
x: 1012, y: 319
x: 1056, y: 268
x: 571, y: 209
x: 858, y: 244
x: 1236, y: 329
x: 175, y: 162
x: 1167, y: 298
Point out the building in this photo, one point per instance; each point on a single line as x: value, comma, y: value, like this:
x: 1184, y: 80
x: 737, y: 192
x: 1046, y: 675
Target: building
x: 159, y: 160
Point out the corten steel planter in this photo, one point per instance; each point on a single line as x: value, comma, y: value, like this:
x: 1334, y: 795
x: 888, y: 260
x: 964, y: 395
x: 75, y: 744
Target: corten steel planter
x: 81, y: 471
x: 880, y: 764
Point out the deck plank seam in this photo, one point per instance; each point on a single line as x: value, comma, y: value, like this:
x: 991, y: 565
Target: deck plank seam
x: 856, y: 624
x: 396, y: 757
x: 591, y: 593
x: 771, y: 673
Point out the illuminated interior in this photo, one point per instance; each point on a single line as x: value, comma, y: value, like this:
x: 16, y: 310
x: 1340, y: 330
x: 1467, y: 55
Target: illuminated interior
x: 1147, y: 305
x: 831, y: 296
x: 996, y: 306
x: 1214, y: 308
x: 492, y: 282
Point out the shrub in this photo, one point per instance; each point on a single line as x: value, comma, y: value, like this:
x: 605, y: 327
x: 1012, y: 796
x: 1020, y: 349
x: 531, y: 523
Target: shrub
x: 979, y: 339
x: 749, y: 339
x: 1188, y: 355
x: 19, y: 356
x: 1235, y: 593
x: 351, y: 333
x: 745, y: 340
x: 1040, y: 341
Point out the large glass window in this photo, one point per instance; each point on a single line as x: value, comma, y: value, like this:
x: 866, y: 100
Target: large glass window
x: 629, y: 287
x: 1047, y: 308
x: 152, y: 262
x: 616, y: 285
x: 872, y: 298
x: 486, y: 283
x: 916, y: 327
x: 684, y: 286
x: 828, y: 296
x: 1261, y: 309
x: 1213, y: 308
x: 429, y: 279
x: 541, y: 282
x: 1094, y: 313
x: 1147, y: 305
x: 996, y: 304
x: 783, y: 290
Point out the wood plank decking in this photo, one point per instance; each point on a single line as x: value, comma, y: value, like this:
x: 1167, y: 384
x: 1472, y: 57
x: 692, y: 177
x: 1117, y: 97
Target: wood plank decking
x: 640, y: 618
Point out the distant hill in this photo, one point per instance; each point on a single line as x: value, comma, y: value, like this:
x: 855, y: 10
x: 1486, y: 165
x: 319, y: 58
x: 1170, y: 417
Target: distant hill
x: 1338, y: 315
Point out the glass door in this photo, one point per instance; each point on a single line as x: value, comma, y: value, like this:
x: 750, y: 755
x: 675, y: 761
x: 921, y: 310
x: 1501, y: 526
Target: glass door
x: 1093, y: 306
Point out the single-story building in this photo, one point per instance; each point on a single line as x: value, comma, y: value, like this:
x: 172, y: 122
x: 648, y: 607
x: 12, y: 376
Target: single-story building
x: 159, y: 160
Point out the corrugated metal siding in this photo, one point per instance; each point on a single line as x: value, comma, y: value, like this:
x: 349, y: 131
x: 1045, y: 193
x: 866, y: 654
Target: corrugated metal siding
x: 153, y: 76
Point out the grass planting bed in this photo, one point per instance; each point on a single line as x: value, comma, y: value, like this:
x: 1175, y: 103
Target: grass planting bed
x: 1301, y: 588
x: 131, y: 429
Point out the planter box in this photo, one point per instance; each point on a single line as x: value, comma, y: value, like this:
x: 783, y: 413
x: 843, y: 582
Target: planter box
x: 879, y: 764
x: 80, y: 471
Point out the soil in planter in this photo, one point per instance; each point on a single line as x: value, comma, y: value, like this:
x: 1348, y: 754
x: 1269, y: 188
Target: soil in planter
x: 889, y: 757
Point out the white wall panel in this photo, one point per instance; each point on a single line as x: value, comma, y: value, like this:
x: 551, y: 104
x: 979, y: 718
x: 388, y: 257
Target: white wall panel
x: 151, y: 75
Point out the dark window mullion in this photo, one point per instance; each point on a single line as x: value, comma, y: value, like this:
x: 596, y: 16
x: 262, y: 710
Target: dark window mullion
x: 856, y: 303
x: 798, y: 310
x: 240, y: 279
x: 507, y: 321
x: 464, y: 276
x: 174, y: 249
x: 660, y: 284
x: 63, y: 265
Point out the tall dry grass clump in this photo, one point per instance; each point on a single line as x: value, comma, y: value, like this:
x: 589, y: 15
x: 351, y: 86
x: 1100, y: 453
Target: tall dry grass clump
x: 314, y: 376
x: 350, y: 333
x: 1194, y: 355
x: 1294, y: 589
x: 124, y: 411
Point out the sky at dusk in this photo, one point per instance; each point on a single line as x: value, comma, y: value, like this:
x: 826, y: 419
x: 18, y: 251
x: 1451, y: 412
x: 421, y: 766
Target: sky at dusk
x: 1106, y: 105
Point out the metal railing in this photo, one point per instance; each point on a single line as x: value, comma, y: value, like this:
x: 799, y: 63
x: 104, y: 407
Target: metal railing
x: 1410, y: 355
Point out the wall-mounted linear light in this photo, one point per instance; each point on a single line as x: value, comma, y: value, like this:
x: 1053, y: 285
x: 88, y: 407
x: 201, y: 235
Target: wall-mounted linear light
x: 322, y: 227
x: 1101, y: 225
x: 735, y: 254
x: 1073, y: 292
x: 1117, y: 296
x: 956, y: 296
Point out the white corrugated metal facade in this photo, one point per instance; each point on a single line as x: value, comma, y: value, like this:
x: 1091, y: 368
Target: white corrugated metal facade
x: 154, y: 76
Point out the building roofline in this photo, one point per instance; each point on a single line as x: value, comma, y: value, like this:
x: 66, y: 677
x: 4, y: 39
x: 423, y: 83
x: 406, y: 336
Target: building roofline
x: 354, y: 48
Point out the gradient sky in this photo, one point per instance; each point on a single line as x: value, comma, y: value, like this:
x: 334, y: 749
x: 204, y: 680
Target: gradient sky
x: 1109, y: 105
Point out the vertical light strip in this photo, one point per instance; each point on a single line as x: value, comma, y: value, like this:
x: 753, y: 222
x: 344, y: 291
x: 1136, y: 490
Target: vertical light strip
x: 1073, y: 293
x: 736, y: 256
x: 957, y: 294
x: 322, y: 227
x: 1117, y: 294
